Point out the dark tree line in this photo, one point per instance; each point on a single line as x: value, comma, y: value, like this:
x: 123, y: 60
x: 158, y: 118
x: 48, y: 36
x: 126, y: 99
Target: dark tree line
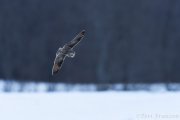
x: 127, y: 41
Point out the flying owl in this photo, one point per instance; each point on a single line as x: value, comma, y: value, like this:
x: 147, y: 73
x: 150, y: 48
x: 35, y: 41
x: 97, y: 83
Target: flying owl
x: 66, y: 51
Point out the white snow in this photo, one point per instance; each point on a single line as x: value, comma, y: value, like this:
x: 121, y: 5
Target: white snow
x: 90, y: 106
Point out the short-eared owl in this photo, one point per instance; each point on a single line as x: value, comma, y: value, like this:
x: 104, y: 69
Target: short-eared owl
x: 66, y: 50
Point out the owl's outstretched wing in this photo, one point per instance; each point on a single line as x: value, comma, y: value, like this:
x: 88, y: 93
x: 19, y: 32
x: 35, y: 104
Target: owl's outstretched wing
x: 76, y: 40
x: 58, y: 63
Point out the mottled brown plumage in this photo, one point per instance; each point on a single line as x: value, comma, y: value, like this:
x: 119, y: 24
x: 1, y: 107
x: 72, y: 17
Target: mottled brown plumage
x: 67, y: 50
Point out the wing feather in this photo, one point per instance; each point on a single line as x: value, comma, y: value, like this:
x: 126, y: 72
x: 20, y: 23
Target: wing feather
x: 58, y: 63
x: 76, y: 40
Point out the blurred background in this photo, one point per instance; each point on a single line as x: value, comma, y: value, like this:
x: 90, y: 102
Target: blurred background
x: 128, y: 44
x: 126, y: 67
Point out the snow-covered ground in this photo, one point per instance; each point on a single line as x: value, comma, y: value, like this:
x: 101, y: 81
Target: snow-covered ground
x: 90, y: 106
x: 13, y: 86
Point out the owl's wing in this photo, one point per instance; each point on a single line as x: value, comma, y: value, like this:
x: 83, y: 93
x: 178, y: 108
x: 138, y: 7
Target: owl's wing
x: 58, y: 63
x: 76, y: 40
